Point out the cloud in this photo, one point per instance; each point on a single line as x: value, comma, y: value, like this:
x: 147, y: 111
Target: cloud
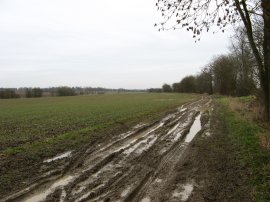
x: 95, y: 43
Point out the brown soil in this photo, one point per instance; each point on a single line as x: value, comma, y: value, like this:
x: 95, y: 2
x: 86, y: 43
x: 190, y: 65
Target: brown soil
x: 215, y: 167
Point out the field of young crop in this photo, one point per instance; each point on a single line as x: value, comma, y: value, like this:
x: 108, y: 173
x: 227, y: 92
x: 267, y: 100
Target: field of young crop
x: 34, y: 129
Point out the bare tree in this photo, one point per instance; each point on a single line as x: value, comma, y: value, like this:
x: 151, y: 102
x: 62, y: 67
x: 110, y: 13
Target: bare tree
x: 204, y: 81
x: 243, y: 59
x: 200, y: 15
x: 224, y: 75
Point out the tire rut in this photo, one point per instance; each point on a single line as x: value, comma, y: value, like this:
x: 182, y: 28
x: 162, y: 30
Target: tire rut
x: 133, y: 167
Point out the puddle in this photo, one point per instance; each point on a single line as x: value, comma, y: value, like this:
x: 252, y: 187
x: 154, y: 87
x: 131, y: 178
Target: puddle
x: 173, y: 129
x: 132, y: 149
x: 142, y: 145
x: 79, y: 189
x: 129, y: 143
x: 185, y: 193
x: 207, y: 134
x: 63, y: 195
x: 86, y: 195
x: 155, y: 128
x: 179, y: 108
x: 42, y: 194
x: 147, y: 146
x: 147, y: 199
x: 162, y: 151
x: 125, y: 192
x: 94, y: 178
x: 61, y: 156
x: 122, y: 137
x: 139, y: 125
x: 170, y: 116
x: 195, y: 128
x: 177, y: 131
x: 83, y: 197
x: 158, y: 180
x: 182, y: 109
x: 178, y: 135
x: 125, y: 135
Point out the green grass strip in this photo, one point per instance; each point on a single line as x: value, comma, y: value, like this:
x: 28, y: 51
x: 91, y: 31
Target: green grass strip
x: 245, y: 135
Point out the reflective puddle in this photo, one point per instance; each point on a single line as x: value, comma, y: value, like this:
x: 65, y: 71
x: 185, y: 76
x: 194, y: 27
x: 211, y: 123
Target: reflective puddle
x: 60, y: 156
x: 185, y: 193
x: 41, y: 196
x: 125, y: 192
x: 195, y: 128
x: 147, y: 199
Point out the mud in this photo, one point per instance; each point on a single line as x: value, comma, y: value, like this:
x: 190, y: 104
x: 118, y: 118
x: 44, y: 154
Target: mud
x: 60, y: 156
x: 139, y: 165
x: 212, y: 170
x: 184, y: 193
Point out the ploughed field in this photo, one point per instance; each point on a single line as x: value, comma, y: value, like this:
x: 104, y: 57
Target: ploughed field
x: 94, y: 135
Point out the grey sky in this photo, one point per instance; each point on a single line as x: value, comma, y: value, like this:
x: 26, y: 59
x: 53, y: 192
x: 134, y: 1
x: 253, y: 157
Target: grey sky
x: 95, y: 43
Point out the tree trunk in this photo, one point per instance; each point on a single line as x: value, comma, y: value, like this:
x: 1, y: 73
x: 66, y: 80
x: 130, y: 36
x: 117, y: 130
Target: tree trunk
x: 263, y: 63
x: 266, y: 17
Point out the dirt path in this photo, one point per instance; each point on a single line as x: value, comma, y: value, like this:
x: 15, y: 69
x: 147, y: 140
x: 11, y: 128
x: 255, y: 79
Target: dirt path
x: 138, y: 166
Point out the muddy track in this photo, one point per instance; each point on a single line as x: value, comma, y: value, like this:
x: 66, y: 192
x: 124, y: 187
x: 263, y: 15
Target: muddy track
x: 138, y: 166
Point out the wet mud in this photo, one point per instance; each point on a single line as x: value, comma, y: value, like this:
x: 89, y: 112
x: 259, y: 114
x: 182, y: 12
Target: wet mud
x: 139, y: 165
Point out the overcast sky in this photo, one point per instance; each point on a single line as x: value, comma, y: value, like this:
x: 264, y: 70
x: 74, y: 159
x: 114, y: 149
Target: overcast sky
x: 95, y: 43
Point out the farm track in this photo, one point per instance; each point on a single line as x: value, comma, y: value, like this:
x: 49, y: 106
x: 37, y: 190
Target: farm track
x: 138, y: 166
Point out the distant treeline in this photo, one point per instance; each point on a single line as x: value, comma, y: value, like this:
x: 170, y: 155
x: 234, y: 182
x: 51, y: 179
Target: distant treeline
x: 233, y: 74
x: 7, y: 93
x: 155, y: 90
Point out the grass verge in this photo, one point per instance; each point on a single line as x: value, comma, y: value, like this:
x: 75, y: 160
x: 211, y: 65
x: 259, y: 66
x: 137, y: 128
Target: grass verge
x: 252, y: 155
